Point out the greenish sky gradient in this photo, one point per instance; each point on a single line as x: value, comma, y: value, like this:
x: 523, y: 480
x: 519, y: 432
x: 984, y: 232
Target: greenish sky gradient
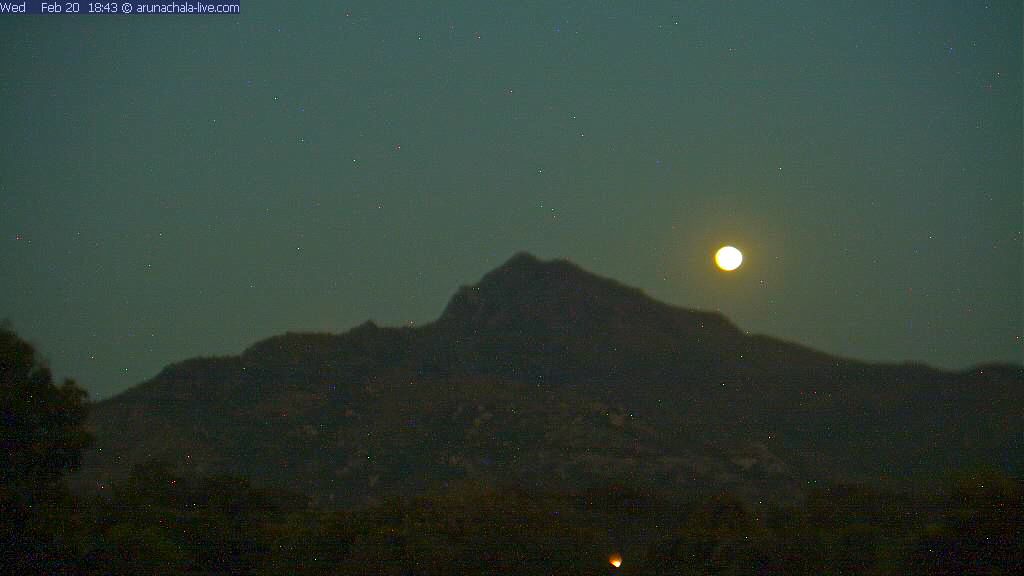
x: 174, y: 186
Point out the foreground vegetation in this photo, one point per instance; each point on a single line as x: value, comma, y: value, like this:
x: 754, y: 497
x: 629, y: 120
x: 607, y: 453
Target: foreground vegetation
x: 156, y: 522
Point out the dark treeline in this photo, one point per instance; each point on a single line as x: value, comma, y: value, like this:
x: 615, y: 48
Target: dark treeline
x: 158, y: 521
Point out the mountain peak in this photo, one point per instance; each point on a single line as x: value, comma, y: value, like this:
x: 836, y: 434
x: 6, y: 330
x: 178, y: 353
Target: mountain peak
x: 524, y: 267
x: 522, y: 282
x: 520, y: 260
x: 557, y: 293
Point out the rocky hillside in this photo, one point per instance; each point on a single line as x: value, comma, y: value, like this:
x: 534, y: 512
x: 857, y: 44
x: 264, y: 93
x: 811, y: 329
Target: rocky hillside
x: 544, y: 374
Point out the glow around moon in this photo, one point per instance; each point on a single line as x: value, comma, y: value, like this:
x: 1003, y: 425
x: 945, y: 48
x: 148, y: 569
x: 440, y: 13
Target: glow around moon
x: 728, y: 258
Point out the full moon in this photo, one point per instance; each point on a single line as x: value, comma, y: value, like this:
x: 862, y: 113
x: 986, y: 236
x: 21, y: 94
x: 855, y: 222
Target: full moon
x: 728, y: 258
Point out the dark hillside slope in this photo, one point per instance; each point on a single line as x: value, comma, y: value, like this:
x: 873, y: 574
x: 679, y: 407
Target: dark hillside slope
x: 545, y: 374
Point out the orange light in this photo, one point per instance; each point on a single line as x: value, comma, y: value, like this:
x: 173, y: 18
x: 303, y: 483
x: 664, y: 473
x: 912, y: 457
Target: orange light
x: 615, y: 560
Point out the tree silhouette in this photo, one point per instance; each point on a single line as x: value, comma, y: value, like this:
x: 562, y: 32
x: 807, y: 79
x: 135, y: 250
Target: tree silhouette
x: 42, y: 436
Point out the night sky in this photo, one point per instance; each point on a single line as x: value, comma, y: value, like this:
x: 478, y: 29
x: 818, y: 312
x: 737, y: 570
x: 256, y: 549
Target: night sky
x: 173, y: 186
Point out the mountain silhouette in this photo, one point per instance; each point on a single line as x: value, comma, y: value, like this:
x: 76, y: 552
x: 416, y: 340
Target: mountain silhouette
x: 544, y: 374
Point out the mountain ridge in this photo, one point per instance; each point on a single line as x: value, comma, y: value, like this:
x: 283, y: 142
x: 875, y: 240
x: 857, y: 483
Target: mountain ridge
x: 544, y: 372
